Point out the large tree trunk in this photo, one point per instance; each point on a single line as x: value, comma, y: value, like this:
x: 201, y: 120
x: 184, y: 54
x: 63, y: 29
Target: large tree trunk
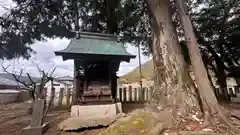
x: 112, y: 24
x: 220, y: 67
x: 173, y: 85
x: 210, y: 103
x: 221, y: 79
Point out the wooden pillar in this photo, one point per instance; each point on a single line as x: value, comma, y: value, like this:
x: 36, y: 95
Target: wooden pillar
x: 75, y: 85
x: 139, y: 94
x: 60, y: 97
x: 124, y: 94
x: 135, y: 94
x: 68, y: 97
x: 120, y: 94
x: 86, y: 78
x: 150, y: 93
x: 130, y: 93
x: 78, y: 88
x: 147, y: 93
x: 143, y: 94
x: 114, y: 86
x: 110, y: 79
x: 52, y: 97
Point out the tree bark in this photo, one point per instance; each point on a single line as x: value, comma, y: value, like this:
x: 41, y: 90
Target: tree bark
x: 210, y: 103
x: 221, y: 79
x: 219, y: 65
x: 173, y: 85
x: 112, y: 24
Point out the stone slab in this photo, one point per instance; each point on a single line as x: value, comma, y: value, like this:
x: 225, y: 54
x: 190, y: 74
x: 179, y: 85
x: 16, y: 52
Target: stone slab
x: 95, y: 110
x: 235, y: 99
x: 39, y: 130
x: 38, y: 112
x: 76, y: 123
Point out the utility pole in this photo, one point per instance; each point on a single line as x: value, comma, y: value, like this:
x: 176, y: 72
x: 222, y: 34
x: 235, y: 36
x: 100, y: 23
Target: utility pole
x: 140, y: 66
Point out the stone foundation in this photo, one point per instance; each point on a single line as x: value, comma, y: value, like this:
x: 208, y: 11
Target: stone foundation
x: 39, y: 130
x: 96, y: 110
x: 235, y: 99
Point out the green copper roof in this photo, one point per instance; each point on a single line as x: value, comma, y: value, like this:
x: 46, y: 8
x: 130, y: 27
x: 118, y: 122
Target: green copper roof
x: 95, y: 44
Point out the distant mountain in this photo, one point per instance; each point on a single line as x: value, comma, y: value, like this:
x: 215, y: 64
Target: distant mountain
x: 21, y: 78
x: 134, y: 75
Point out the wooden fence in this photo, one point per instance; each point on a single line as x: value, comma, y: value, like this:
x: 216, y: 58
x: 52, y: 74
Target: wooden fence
x: 134, y: 94
x: 63, y: 98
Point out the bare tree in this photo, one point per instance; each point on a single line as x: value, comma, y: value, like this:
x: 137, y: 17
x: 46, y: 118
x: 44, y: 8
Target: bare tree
x: 34, y: 87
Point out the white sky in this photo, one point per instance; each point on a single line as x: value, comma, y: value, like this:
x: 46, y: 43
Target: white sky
x: 47, y: 60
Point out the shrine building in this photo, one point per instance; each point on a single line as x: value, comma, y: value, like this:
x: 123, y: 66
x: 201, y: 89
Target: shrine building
x: 97, y: 58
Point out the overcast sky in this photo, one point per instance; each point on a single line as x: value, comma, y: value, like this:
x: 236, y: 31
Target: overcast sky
x: 47, y: 60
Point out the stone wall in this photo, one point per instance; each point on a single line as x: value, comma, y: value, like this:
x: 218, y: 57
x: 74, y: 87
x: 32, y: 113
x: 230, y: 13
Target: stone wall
x: 10, y: 96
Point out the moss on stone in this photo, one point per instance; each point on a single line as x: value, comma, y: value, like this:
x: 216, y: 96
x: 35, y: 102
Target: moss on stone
x: 138, y: 123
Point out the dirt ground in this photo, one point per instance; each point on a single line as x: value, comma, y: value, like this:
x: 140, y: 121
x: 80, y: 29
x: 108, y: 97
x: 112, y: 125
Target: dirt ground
x: 13, y: 118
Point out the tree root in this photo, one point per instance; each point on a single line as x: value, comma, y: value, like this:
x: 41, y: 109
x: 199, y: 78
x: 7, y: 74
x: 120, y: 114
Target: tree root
x: 209, y: 120
x: 234, y: 116
x: 225, y: 119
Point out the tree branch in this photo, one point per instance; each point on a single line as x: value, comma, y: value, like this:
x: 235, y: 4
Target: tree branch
x: 17, y: 78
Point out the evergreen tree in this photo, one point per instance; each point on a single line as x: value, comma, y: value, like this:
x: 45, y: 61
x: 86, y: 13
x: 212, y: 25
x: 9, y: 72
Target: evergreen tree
x: 217, y: 28
x: 33, y: 20
x: 151, y: 21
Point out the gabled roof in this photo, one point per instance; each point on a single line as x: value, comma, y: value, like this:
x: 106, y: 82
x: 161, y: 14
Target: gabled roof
x: 95, y: 44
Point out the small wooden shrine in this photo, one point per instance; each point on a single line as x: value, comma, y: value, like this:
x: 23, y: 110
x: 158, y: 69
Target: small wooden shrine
x: 96, y: 60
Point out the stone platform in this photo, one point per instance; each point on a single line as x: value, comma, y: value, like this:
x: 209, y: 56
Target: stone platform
x: 111, y: 109
x: 85, y: 116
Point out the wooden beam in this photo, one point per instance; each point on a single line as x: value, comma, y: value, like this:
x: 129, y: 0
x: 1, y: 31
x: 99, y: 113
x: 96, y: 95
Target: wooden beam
x: 97, y: 57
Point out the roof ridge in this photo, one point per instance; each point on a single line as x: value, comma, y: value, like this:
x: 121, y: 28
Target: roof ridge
x: 98, y: 34
x: 95, y: 44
